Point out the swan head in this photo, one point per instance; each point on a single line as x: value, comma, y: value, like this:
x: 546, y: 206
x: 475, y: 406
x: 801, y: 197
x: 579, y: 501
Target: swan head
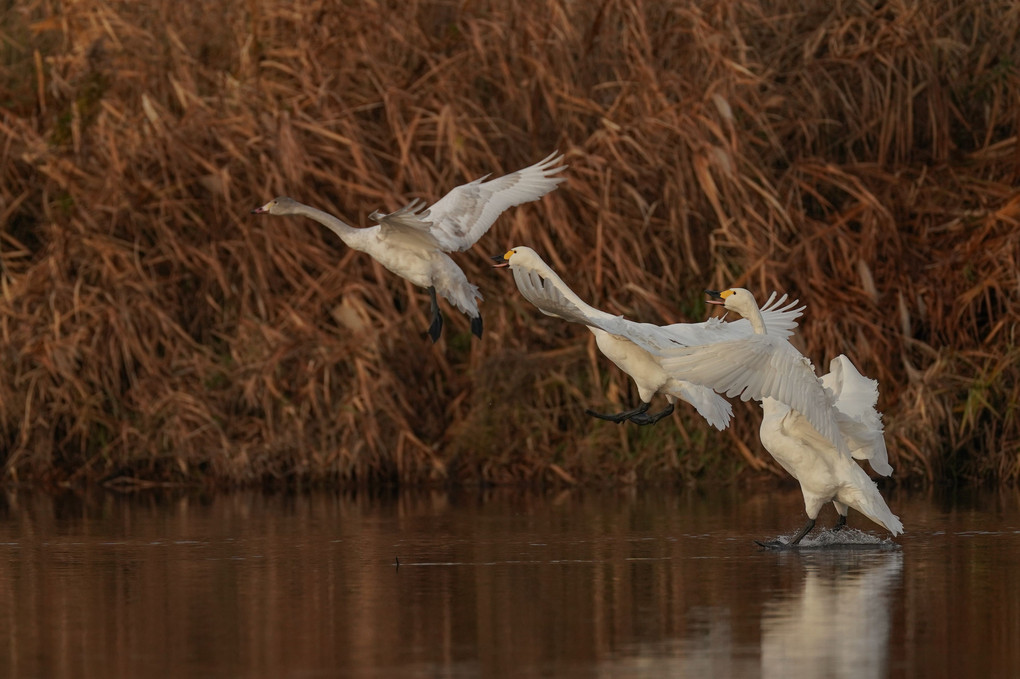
x: 734, y: 299
x: 521, y: 255
x: 281, y: 205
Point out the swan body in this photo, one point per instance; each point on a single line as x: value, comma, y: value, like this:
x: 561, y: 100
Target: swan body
x: 825, y: 474
x: 634, y: 347
x: 412, y: 242
x: 760, y: 365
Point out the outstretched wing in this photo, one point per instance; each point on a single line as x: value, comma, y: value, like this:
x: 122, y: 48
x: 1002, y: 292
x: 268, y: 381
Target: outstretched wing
x: 780, y: 316
x: 757, y: 367
x: 408, y: 225
x: 855, y: 397
x: 463, y: 215
x: 780, y: 319
x: 550, y: 299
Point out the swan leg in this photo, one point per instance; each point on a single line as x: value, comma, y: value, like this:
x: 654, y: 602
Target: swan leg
x: 803, y: 531
x: 476, y: 326
x: 644, y: 418
x: 840, y: 523
x: 436, y: 327
x: 620, y: 417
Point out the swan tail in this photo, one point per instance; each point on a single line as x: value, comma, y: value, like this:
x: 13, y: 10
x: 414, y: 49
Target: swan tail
x: 716, y: 410
x: 868, y: 501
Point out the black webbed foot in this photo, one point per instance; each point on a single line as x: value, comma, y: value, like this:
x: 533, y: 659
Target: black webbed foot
x: 840, y: 524
x: 774, y: 545
x: 645, y: 419
x: 619, y: 417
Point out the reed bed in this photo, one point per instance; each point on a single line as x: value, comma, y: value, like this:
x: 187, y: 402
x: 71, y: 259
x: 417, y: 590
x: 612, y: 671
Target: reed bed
x: 861, y: 156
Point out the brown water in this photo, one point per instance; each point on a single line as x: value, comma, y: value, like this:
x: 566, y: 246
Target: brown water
x: 575, y: 584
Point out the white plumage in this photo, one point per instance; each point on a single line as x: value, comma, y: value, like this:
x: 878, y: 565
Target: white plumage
x: 634, y: 347
x: 412, y: 242
x: 823, y: 473
x: 757, y: 366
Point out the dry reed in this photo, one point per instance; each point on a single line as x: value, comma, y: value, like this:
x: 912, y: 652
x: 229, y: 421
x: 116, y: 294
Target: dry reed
x: 861, y: 156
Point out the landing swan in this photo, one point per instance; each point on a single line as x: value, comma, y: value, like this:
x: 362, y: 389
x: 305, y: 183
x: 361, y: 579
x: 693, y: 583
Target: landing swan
x: 824, y: 474
x: 412, y: 242
x: 633, y: 346
x: 756, y: 366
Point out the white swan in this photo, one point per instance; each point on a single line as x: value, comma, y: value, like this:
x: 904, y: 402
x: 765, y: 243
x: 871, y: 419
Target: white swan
x: 758, y: 366
x: 824, y: 474
x: 633, y: 347
x: 412, y: 242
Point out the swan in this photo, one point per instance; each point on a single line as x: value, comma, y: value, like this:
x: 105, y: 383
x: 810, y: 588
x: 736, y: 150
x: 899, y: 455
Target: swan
x: 634, y: 347
x: 823, y: 473
x: 412, y: 242
x: 757, y: 366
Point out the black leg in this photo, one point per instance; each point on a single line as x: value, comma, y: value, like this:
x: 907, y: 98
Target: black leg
x: 476, y: 326
x: 803, y: 531
x: 840, y: 523
x: 436, y: 327
x: 644, y: 418
x: 620, y: 417
x: 780, y: 545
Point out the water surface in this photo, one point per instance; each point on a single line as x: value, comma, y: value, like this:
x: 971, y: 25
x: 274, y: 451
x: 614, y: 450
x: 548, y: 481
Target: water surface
x: 627, y: 583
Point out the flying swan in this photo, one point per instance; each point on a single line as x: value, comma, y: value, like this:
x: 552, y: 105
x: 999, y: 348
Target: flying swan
x: 634, y: 347
x: 412, y: 242
x: 824, y: 474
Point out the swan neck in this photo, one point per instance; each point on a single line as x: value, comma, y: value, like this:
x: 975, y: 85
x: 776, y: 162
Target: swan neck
x: 756, y: 321
x: 550, y: 274
x: 346, y: 232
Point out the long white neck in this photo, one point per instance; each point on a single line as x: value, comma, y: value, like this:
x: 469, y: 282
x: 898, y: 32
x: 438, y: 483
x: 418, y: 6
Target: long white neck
x: 565, y: 290
x: 575, y: 310
x: 348, y: 234
x: 754, y: 317
x: 757, y: 322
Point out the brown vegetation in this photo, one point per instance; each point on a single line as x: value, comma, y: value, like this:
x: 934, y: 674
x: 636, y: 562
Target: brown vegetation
x: 859, y: 155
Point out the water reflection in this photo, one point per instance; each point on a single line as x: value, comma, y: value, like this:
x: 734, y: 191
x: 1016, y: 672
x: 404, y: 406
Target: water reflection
x: 622, y: 583
x: 838, y: 622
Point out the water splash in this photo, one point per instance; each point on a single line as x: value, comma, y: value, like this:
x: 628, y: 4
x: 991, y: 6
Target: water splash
x: 848, y: 538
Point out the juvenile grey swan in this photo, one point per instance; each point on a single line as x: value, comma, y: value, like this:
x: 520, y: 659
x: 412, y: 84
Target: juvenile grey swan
x: 412, y: 242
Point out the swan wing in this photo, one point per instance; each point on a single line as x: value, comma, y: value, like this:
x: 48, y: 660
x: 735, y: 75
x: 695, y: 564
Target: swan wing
x: 549, y: 298
x: 855, y: 398
x: 780, y: 318
x: 463, y: 215
x: 409, y: 226
x: 757, y: 367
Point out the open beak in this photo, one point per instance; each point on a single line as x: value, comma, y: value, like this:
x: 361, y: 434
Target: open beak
x: 716, y: 298
x: 501, y: 262
x: 259, y: 210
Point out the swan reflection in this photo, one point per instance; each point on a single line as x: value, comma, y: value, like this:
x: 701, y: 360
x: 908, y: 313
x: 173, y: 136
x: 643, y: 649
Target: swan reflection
x: 838, y: 623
